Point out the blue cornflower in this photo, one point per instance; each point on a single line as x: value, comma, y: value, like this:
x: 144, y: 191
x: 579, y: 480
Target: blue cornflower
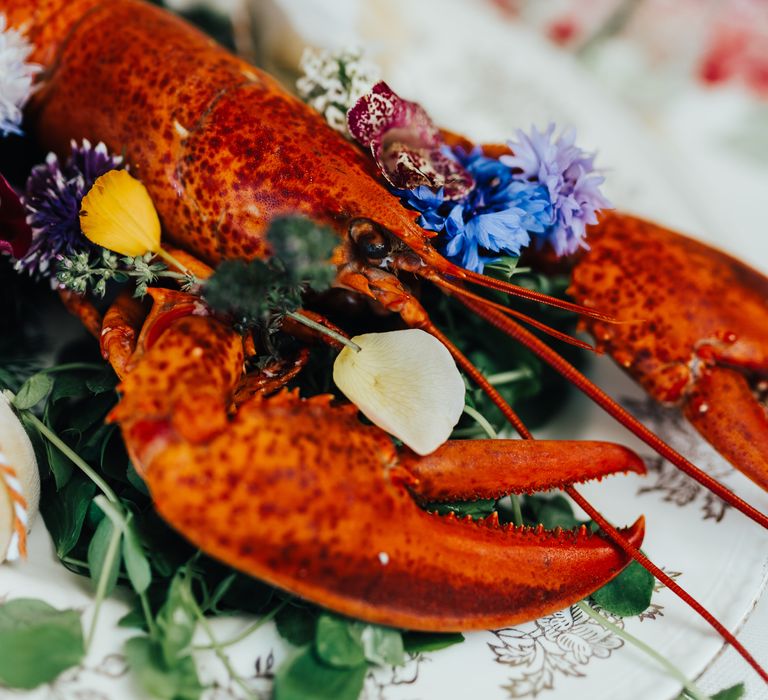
x: 496, y: 216
x: 53, y: 196
x: 568, y: 173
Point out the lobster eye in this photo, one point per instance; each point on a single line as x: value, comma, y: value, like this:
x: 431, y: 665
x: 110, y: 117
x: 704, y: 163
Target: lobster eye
x: 371, y: 241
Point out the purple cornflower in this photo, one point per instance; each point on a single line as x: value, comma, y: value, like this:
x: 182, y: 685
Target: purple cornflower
x: 568, y: 174
x: 497, y: 216
x: 53, y: 197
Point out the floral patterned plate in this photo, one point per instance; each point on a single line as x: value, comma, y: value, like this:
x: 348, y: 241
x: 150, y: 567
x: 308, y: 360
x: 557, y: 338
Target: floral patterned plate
x: 507, y: 80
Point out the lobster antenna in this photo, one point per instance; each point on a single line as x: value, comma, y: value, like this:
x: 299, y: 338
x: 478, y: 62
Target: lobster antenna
x: 460, y: 291
x: 530, y: 294
x: 544, y: 352
x: 664, y: 578
x: 618, y: 539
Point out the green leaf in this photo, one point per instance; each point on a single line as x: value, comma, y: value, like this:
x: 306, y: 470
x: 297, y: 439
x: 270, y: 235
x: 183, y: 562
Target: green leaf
x: 476, y: 509
x: 176, y: 620
x: 628, y: 594
x: 136, y: 562
x: 33, y: 391
x: 65, y: 513
x: 176, y: 681
x: 305, y: 677
x: 297, y: 624
x: 383, y: 645
x: 69, y: 385
x: 104, y: 381
x: 338, y: 641
x: 97, y: 556
x: 551, y: 512
x: 59, y: 464
x: 38, y: 642
x: 414, y: 642
x: 735, y: 692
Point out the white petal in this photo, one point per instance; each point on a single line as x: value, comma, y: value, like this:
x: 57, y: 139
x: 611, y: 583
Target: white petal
x: 406, y: 382
x: 16, y: 452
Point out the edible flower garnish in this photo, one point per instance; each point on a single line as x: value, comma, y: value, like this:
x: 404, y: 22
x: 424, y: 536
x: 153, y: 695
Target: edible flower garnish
x: 496, y: 216
x: 53, y: 196
x: 568, y: 173
x: 16, y: 76
x: 406, y: 145
x: 15, y: 232
x: 333, y: 81
x: 405, y: 382
x: 19, y: 484
x: 118, y: 214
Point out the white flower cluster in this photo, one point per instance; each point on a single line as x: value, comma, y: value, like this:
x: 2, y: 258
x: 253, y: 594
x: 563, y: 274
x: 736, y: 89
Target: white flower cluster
x: 334, y: 80
x: 16, y: 77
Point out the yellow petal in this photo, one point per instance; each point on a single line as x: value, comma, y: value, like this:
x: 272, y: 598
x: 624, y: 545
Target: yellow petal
x: 18, y: 458
x: 118, y: 214
x: 406, y: 382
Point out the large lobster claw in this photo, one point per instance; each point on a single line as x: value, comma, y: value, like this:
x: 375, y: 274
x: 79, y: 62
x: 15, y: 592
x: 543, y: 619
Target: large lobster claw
x: 299, y: 493
x: 700, y: 337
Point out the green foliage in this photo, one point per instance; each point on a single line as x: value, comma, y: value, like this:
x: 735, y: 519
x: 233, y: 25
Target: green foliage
x: 735, y: 692
x: 476, y: 509
x: 417, y: 642
x: 305, y: 248
x: 628, y: 594
x: 158, y: 678
x: 38, y: 642
x: 256, y: 294
x: 339, y: 642
x: 305, y: 677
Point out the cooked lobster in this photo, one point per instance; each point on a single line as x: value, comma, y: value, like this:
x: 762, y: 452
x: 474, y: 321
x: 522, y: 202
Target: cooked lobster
x: 224, y: 150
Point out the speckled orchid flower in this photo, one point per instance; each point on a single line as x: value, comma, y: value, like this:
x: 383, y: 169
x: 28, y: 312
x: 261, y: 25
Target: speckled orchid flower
x: 15, y: 232
x: 406, y: 145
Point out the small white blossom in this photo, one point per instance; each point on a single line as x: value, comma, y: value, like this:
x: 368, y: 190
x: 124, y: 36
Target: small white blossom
x: 16, y: 76
x: 334, y: 80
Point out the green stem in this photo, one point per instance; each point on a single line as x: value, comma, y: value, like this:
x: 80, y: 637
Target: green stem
x: 509, y: 377
x: 78, y: 461
x: 165, y: 255
x: 481, y: 420
x: 675, y: 672
x: 147, y: 610
x: 218, y: 649
x: 71, y: 366
x: 101, y: 588
x: 517, y: 513
x: 248, y: 631
x: 322, y: 329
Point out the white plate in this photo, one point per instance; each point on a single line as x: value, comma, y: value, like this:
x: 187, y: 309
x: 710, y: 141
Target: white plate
x: 485, y: 79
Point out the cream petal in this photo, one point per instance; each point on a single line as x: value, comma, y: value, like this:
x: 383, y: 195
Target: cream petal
x: 16, y: 452
x: 406, y: 382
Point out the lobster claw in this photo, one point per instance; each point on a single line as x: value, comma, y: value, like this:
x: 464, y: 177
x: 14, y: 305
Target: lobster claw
x: 700, y: 333
x: 336, y: 520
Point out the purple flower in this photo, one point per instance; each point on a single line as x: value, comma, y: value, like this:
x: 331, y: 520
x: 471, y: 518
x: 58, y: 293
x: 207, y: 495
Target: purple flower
x: 54, y: 194
x: 15, y: 232
x: 568, y: 173
x: 406, y: 145
x: 497, y: 216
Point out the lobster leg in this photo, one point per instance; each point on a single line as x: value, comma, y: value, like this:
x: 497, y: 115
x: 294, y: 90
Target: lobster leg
x: 723, y: 409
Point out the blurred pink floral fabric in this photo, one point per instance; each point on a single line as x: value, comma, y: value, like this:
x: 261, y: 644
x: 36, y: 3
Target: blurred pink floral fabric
x: 716, y: 42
